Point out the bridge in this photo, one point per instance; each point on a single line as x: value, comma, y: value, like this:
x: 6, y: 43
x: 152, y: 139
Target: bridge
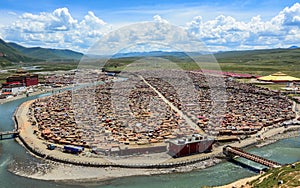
x: 8, y: 134
x: 230, y: 151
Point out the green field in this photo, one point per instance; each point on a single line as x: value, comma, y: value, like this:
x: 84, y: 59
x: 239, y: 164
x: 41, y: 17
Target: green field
x: 45, y: 67
x: 258, y: 69
x: 261, y: 62
x: 257, y: 62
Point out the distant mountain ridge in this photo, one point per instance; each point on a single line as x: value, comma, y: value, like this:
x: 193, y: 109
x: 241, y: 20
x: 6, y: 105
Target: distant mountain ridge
x: 9, y: 54
x: 47, y: 54
x: 15, y: 53
x: 277, y: 56
x: 158, y: 54
x: 293, y: 47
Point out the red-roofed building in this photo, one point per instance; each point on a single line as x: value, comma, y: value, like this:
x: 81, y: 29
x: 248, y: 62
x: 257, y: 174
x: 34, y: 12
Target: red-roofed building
x: 191, y: 145
x: 12, y: 88
x: 18, y: 82
x: 24, y: 78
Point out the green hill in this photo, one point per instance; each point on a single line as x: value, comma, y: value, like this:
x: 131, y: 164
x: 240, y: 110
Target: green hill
x: 257, y: 62
x: 48, y: 54
x: 267, y: 57
x: 261, y: 62
x: 288, y: 176
x: 9, y: 55
x: 14, y: 53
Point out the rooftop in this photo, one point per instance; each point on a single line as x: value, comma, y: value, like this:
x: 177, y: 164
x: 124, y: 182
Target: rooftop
x: 191, y: 139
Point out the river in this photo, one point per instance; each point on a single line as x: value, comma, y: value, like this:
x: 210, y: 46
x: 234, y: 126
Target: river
x: 11, y: 153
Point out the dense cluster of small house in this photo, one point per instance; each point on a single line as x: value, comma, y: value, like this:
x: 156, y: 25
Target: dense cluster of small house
x: 129, y: 112
x: 222, y: 106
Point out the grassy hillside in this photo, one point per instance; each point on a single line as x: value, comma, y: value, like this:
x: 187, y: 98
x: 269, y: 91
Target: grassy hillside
x: 9, y: 55
x: 261, y: 62
x: 258, y: 62
x: 48, y: 54
x: 289, y: 175
x: 67, y: 54
x: 267, y: 57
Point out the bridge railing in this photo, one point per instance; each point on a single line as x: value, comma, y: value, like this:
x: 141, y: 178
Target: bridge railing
x: 5, y: 133
x: 228, y: 150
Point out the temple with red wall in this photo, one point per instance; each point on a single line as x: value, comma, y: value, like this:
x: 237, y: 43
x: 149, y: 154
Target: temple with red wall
x: 24, y: 78
x: 190, y: 145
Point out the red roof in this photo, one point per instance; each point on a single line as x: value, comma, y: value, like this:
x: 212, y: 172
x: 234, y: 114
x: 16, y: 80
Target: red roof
x: 231, y: 74
x: 11, y: 83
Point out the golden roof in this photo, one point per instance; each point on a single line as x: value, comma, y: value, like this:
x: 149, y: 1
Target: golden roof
x: 279, y: 76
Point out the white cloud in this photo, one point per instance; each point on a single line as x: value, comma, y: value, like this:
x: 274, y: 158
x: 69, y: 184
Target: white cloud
x: 147, y: 36
x: 290, y: 15
x: 280, y: 31
x: 12, y: 13
x: 59, y: 29
x: 59, y: 20
x: 223, y: 30
x: 92, y: 22
x: 157, y: 18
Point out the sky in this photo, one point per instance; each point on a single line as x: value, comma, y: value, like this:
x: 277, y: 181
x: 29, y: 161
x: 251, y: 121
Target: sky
x: 219, y: 24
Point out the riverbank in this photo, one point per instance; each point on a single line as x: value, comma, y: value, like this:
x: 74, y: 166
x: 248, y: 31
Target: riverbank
x: 72, y: 173
x: 106, y: 170
x: 288, y: 174
x: 240, y: 183
x: 6, y: 100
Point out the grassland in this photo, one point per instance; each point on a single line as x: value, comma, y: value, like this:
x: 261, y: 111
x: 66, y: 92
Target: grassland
x: 289, y: 175
x: 261, y: 62
x: 44, y: 67
x: 54, y: 66
x: 257, y: 62
x: 258, y: 69
x: 4, y: 75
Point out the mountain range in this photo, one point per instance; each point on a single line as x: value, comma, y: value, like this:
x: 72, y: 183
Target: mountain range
x: 8, y: 54
x: 15, y: 53
x: 47, y: 53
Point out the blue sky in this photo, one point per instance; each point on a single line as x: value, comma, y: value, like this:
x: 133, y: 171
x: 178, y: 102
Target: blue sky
x: 220, y: 24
